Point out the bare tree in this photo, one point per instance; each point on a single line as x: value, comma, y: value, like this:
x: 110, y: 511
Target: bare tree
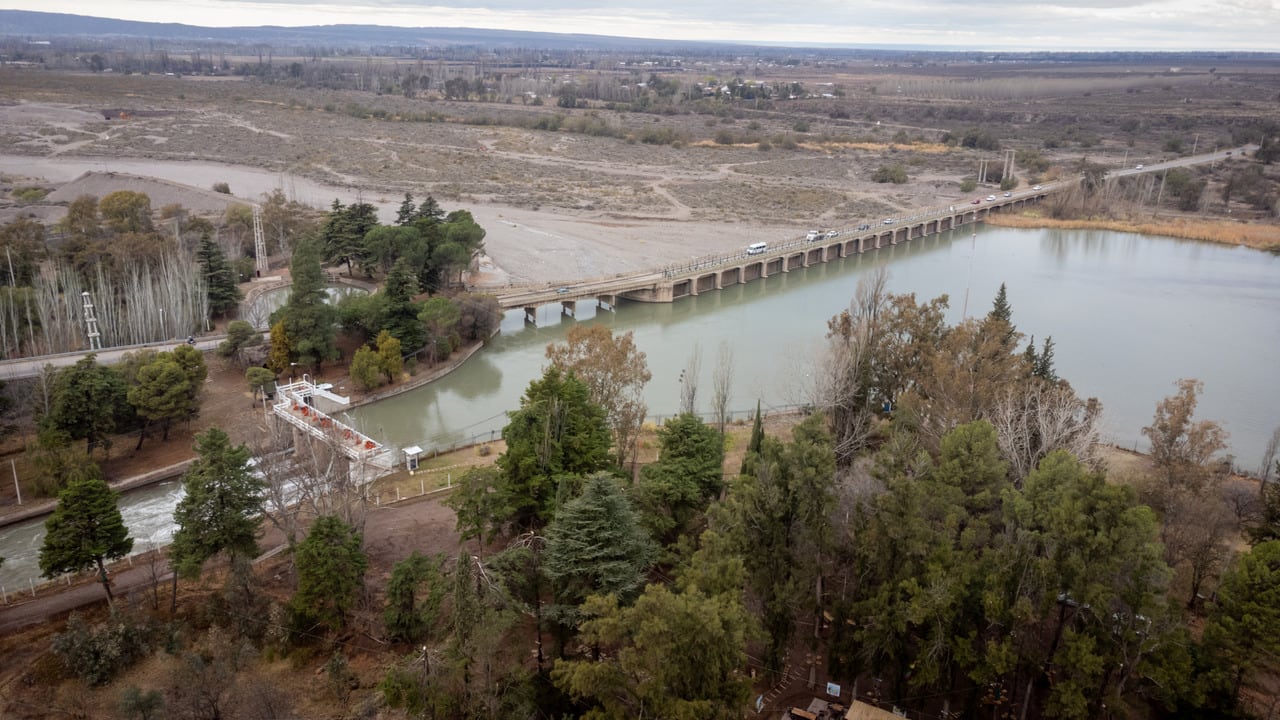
x: 1036, y: 418
x: 721, y: 384
x: 843, y: 380
x: 689, y: 380
x: 1269, y: 455
x: 307, y: 477
x: 1180, y: 447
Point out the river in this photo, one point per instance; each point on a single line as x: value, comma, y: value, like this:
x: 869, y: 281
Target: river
x: 1129, y: 316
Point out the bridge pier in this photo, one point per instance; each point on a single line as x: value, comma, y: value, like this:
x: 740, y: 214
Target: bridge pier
x: 569, y: 307
x: 531, y: 315
x: 606, y: 302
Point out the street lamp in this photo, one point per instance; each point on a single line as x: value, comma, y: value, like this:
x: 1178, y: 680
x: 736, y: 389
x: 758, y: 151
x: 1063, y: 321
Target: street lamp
x: 163, y: 334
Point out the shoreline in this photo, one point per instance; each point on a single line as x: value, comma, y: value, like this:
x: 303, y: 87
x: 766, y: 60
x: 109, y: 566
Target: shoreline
x: 1220, y: 232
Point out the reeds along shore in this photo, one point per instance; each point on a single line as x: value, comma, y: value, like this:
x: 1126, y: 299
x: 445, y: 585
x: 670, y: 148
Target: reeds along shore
x: 1226, y: 232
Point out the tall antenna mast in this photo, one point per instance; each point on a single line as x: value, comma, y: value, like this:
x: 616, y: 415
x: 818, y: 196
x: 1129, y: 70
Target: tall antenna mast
x: 90, y: 322
x: 259, y: 243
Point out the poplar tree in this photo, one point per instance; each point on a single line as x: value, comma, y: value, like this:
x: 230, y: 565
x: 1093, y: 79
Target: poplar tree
x: 85, y: 530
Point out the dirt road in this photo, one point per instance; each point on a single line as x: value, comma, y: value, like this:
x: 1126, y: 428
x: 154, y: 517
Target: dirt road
x: 391, y: 533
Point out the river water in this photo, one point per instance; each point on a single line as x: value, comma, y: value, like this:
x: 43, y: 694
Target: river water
x: 1129, y: 316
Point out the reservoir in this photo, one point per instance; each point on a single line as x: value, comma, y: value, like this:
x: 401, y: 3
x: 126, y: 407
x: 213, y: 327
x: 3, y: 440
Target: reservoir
x: 1129, y: 316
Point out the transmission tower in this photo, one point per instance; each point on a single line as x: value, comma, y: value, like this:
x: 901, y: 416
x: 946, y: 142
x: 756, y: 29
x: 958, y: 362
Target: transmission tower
x: 91, y: 322
x: 259, y: 243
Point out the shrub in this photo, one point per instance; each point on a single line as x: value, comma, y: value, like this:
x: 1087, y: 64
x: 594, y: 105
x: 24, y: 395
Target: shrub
x: 134, y: 703
x: 896, y: 174
x: 30, y: 194
x: 366, y: 368
x: 968, y: 185
x: 1008, y: 183
x: 221, y: 187
x: 95, y: 654
x: 801, y: 126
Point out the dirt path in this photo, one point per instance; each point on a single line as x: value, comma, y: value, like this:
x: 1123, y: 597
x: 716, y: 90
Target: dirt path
x: 391, y: 533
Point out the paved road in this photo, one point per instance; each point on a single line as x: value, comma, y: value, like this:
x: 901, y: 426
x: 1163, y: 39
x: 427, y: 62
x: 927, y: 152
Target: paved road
x: 31, y: 367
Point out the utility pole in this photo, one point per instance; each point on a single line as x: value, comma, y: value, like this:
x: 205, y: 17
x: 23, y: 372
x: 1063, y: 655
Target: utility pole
x: 259, y: 242
x: 90, y: 323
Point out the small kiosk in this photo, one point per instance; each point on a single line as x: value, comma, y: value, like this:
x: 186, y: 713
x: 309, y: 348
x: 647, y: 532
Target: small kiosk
x: 411, y: 455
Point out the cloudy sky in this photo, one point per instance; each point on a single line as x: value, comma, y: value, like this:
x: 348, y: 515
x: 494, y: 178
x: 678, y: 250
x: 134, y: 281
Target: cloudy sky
x: 989, y: 24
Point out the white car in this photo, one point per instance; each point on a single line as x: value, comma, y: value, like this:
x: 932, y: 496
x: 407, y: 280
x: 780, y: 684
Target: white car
x: 812, y: 235
x: 831, y: 234
x: 991, y: 198
x: 1008, y: 194
x: 1138, y: 168
x: 1037, y: 188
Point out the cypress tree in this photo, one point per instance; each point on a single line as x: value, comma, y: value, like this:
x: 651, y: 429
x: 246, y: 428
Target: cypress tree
x: 753, y: 447
x: 219, y: 278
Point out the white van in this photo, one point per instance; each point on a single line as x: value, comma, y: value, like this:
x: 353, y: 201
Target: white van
x: 812, y: 235
x: 756, y: 248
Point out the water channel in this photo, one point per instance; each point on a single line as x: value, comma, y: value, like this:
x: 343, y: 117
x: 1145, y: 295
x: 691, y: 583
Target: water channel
x: 1129, y: 316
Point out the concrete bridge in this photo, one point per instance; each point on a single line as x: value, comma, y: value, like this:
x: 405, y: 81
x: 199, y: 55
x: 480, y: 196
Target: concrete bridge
x: 714, y: 272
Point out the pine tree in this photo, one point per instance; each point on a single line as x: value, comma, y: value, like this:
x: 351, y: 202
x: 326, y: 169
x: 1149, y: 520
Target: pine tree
x: 1030, y: 357
x: 596, y: 546
x: 220, y: 509
x: 1044, y: 362
x: 84, y: 530
x: 331, y: 565
x: 281, y: 355
x: 220, y: 279
x: 405, y: 214
x: 1000, y: 309
x: 557, y: 433
x: 162, y: 394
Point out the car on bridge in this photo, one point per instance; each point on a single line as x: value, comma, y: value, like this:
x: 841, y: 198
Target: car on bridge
x: 864, y: 226
x: 1037, y: 188
x: 1138, y: 168
x: 977, y: 201
x: 812, y: 235
x: 888, y: 221
x: 991, y: 198
x: 562, y: 290
x: 831, y: 234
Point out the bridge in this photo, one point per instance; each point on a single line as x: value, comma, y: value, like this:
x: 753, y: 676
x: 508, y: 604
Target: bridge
x: 715, y: 272
x: 298, y: 405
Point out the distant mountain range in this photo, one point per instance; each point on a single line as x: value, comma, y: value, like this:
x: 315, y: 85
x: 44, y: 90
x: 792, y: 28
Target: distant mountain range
x: 42, y: 26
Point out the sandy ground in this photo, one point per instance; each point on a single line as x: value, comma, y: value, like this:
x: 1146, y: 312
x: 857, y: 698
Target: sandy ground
x: 556, y: 207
